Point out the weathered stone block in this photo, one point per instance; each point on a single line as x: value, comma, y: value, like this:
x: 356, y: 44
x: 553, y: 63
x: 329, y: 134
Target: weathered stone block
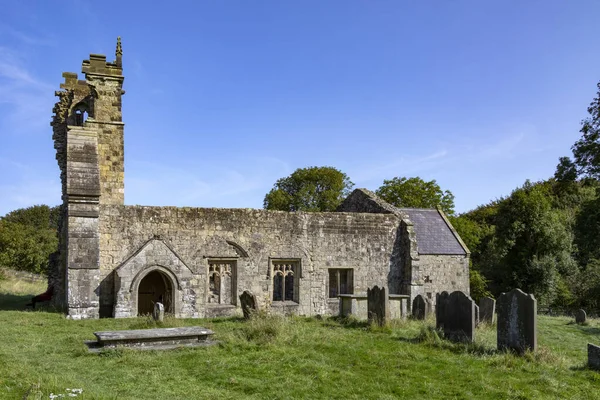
x: 580, y: 316
x: 517, y: 321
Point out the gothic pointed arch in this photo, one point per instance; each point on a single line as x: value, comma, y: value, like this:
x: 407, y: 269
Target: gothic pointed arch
x: 154, y: 256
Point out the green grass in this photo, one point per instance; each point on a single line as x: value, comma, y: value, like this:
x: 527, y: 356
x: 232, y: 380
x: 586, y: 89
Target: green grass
x: 281, y: 358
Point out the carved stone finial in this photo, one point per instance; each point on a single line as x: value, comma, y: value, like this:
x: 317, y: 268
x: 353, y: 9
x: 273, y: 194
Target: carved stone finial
x: 119, y: 51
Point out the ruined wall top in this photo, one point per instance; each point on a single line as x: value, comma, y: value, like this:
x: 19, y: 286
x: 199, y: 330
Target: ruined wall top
x: 97, y: 64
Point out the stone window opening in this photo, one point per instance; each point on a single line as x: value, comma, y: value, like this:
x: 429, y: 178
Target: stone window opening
x: 81, y: 115
x: 222, y: 282
x: 341, y: 281
x: 285, y: 280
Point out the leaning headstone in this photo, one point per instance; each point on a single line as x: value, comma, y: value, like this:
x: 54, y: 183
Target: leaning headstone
x: 580, y: 316
x: 487, y: 310
x: 593, y: 356
x: 440, y: 309
x: 159, y: 312
x: 517, y: 321
x: 377, y: 306
x: 419, y: 307
x: 248, y: 303
x: 459, y: 317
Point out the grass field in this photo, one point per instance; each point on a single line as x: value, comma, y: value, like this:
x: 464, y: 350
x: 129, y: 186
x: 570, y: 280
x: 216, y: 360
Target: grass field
x: 42, y: 354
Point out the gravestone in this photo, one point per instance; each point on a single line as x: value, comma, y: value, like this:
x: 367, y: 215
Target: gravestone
x: 487, y: 310
x: 440, y: 309
x: 377, y: 306
x: 476, y: 314
x: 580, y: 316
x: 517, y: 321
x: 248, y: 303
x: 158, y: 314
x: 593, y: 356
x: 458, y: 317
x: 419, y: 308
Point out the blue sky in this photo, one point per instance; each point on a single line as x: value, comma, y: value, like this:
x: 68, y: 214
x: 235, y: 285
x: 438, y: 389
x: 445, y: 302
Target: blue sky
x: 225, y: 97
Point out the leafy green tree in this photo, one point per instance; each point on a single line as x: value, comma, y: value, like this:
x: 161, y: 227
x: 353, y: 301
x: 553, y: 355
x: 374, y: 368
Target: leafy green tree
x: 309, y: 189
x: 27, y: 238
x: 415, y: 192
x: 532, y: 245
x: 39, y: 216
x: 478, y: 285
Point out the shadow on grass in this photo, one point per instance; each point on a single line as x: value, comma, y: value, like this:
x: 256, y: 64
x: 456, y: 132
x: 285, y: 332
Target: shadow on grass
x: 434, y: 338
x: 19, y: 302
x: 14, y: 302
x: 589, y: 330
x: 222, y: 320
x: 345, y: 322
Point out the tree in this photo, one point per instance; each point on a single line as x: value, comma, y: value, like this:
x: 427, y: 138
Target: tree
x: 586, y: 151
x: 27, y: 238
x: 415, y: 192
x: 309, y: 189
x: 532, y: 246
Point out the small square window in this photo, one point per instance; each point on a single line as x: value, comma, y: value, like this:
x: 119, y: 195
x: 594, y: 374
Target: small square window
x: 341, y: 281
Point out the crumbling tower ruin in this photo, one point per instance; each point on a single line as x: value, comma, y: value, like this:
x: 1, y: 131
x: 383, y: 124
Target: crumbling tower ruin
x: 88, y: 138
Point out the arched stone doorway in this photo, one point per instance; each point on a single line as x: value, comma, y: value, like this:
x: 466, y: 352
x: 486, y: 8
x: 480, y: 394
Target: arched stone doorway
x: 155, y: 287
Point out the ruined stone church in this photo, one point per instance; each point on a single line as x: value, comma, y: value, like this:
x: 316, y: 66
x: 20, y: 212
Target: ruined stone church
x: 116, y: 260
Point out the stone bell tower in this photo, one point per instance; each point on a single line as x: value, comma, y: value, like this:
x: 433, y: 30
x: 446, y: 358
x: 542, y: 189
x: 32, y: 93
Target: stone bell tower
x: 88, y: 138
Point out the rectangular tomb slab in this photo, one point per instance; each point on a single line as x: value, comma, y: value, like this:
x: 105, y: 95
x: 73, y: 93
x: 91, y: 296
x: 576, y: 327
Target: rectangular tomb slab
x: 153, y: 337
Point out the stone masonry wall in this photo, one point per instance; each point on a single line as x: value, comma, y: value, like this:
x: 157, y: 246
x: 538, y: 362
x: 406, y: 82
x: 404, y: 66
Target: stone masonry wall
x: 444, y: 272
x: 194, y: 236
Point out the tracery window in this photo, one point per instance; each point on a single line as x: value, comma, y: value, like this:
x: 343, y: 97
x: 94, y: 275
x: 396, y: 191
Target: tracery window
x: 286, y: 274
x: 222, y: 281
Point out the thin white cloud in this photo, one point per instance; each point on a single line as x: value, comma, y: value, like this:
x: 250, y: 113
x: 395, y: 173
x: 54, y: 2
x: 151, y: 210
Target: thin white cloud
x: 212, y: 184
x: 22, y: 96
x: 403, y: 165
x: 45, y: 39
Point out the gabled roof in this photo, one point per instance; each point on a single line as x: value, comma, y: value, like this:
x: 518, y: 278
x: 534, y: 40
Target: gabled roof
x: 434, y: 234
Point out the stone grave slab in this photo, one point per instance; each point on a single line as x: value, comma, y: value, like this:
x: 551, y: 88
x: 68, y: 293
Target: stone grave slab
x: 458, y: 317
x: 440, y: 309
x: 159, y: 312
x: 378, y: 306
x: 487, y: 310
x: 152, y: 339
x: 419, y: 308
x: 248, y: 303
x: 517, y: 321
x: 593, y: 356
x: 580, y: 316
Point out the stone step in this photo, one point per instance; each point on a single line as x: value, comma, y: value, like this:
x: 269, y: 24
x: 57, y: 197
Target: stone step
x: 152, y: 339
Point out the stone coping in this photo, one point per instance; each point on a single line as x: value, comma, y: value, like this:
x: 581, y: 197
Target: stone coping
x: 152, y: 334
x: 353, y: 296
x: 364, y: 296
x: 287, y: 303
